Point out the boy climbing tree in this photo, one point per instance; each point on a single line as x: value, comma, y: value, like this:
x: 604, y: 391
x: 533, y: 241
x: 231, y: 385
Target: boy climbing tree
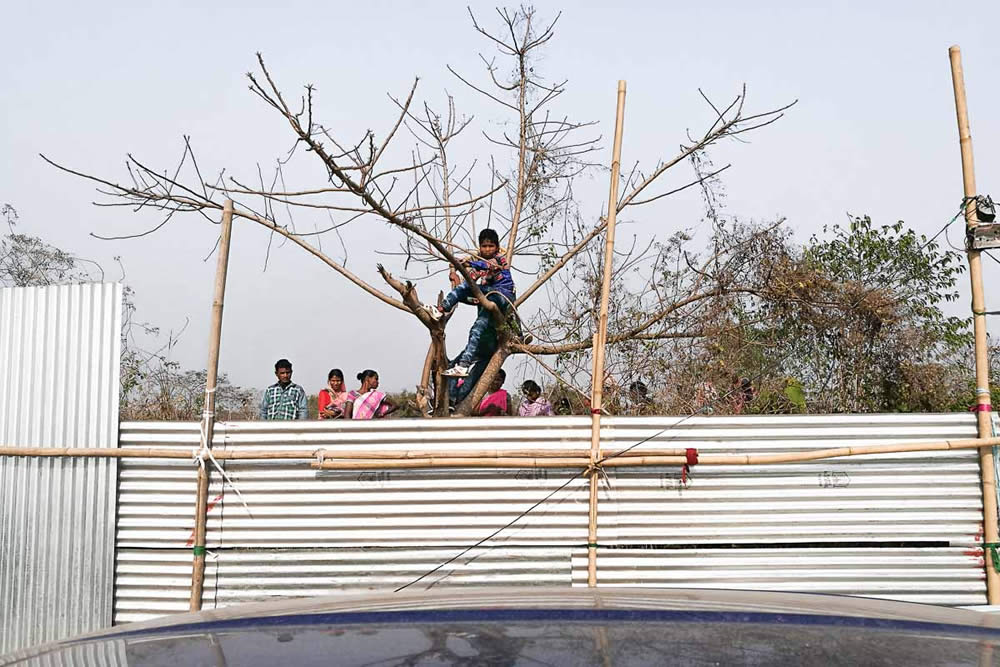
x: 492, y: 274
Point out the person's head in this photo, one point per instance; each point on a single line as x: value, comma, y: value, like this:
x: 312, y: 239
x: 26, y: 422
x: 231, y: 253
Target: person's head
x: 489, y: 243
x: 283, y: 371
x: 638, y: 391
x: 368, y: 379
x: 531, y: 389
x: 335, y: 380
x: 498, y: 380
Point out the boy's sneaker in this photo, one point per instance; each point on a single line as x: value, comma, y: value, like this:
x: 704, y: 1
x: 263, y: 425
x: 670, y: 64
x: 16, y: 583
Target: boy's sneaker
x: 456, y: 371
x: 435, y: 312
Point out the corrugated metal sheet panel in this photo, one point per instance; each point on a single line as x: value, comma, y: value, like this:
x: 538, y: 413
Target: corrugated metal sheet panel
x: 110, y: 653
x: 349, y: 531
x: 59, y: 363
x: 942, y: 575
x: 315, y: 533
x: 924, y: 496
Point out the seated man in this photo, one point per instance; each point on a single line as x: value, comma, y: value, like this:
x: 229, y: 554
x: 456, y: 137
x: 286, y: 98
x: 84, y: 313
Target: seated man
x: 492, y: 275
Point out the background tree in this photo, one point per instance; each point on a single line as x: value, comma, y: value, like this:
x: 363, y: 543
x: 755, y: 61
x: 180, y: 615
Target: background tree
x: 152, y: 387
x: 27, y: 261
x: 431, y: 203
x: 866, y: 332
x: 851, y: 321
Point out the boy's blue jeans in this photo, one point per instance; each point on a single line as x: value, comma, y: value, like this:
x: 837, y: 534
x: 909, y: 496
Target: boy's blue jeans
x: 461, y: 293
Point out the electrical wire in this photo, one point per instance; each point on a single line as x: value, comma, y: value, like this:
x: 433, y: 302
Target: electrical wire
x: 655, y: 435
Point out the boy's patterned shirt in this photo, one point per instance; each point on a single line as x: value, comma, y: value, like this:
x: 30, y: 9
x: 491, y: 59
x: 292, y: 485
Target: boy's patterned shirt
x: 283, y: 403
x: 493, y: 275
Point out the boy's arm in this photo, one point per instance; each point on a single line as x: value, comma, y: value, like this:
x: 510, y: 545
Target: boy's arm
x: 303, y: 405
x: 263, y: 405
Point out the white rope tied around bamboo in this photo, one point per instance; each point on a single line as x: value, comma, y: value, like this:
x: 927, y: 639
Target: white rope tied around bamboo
x: 205, y: 451
x: 598, y: 467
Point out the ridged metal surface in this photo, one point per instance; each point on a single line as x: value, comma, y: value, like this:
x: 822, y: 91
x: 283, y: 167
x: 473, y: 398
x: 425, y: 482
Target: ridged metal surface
x: 932, y: 575
x: 109, y: 653
x: 314, y: 533
x: 922, y: 496
x: 59, y: 361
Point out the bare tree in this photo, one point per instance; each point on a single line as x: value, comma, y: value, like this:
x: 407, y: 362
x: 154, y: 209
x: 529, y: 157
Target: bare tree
x: 430, y: 201
x: 27, y: 260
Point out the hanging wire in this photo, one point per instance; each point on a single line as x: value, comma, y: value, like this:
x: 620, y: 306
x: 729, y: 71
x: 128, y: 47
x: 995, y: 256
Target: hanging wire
x: 598, y: 464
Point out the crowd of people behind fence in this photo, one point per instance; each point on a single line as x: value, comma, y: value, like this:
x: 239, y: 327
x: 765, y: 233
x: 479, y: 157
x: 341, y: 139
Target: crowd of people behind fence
x: 285, y: 400
x: 489, y: 273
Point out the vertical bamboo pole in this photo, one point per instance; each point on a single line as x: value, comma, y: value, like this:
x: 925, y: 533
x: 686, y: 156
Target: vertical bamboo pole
x: 601, y: 338
x: 208, y: 415
x: 983, y: 401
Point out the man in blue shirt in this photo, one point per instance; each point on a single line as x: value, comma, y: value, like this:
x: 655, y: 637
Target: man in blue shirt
x: 284, y: 400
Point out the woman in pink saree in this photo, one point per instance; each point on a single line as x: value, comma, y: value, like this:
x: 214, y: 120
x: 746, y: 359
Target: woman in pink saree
x: 367, y: 402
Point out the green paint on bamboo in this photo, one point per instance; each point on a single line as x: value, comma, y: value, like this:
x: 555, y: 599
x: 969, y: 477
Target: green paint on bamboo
x: 991, y: 547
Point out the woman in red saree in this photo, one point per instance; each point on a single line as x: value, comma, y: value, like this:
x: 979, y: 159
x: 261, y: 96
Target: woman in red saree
x: 331, y: 400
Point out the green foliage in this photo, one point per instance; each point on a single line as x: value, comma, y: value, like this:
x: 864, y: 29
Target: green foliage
x: 795, y: 395
x: 851, y: 321
x: 859, y: 315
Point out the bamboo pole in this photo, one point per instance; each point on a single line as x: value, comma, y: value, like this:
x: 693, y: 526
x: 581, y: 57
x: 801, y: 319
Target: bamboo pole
x: 292, y: 454
x: 208, y: 416
x: 648, y: 460
x: 597, y: 391
x: 983, y: 400
x: 488, y: 458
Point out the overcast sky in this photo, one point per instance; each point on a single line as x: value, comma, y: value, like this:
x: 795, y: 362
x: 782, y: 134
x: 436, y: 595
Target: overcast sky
x: 873, y: 133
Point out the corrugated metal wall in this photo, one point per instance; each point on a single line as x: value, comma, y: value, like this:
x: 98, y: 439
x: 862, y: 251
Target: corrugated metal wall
x: 927, y: 504
x: 901, y: 526
x: 59, y: 360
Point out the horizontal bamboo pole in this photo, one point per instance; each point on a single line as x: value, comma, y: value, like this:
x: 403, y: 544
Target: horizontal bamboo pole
x: 553, y: 458
x: 481, y: 453
x: 178, y: 453
x: 451, y: 462
x: 99, y: 452
x: 647, y: 460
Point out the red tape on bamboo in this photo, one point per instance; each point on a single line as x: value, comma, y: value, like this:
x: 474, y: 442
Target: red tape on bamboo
x: 691, y: 456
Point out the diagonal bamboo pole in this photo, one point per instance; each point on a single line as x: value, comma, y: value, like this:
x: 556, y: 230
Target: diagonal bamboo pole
x: 602, y: 334
x: 208, y: 416
x: 983, y: 401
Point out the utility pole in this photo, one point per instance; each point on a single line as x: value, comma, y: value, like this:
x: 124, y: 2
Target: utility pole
x: 983, y: 402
